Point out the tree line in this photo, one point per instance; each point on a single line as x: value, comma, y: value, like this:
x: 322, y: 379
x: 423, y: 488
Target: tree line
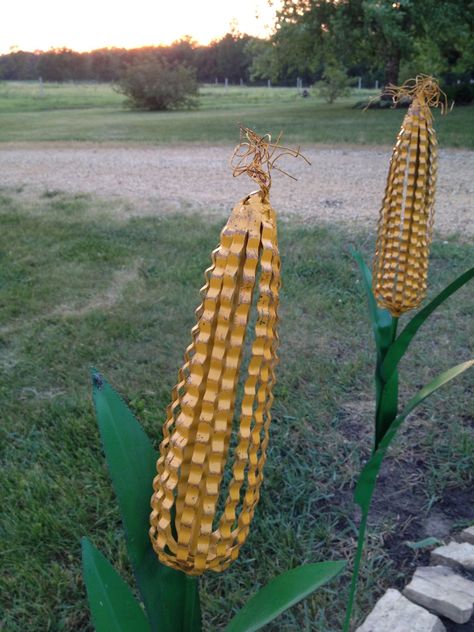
x: 376, y: 40
x: 229, y: 57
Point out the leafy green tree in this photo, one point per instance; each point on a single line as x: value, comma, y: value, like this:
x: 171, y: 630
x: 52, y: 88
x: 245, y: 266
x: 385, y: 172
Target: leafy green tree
x: 106, y: 64
x: 154, y: 84
x: 303, y: 39
x: 451, y: 29
x: 62, y: 64
x: 18, y: 65
x: 182, y: 52
x: 263, y: 64
x: 426, y: 58
x: 376, y: 36
x: 232, y: 58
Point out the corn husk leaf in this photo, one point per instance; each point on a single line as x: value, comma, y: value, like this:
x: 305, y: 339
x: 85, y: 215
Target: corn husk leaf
x: 398, y: 348
x: 131, y: 461
x: 368, y: 477
x: 281, y: 593
x: 380, y: 318
x: 112, y: 604
x: 382, y: 325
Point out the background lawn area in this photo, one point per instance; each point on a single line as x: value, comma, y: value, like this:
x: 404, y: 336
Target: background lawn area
x: 79, y: 289
x: 94, y: 112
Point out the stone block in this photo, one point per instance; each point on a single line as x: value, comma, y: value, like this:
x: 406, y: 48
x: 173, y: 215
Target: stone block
x: 394, y: 613
x: 455, y: 554
x: 467, y: 535
x: 442, y: 591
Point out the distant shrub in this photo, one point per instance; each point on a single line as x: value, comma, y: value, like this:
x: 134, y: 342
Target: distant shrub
x: 154, y: 84
x: 460, y: 93
x: 335, y: 83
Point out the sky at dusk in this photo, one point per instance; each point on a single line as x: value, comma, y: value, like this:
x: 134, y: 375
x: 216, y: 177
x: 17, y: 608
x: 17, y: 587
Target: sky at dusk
x: 87, y: 24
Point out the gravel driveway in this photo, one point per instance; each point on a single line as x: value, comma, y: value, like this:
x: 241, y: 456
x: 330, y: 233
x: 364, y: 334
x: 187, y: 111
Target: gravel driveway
x: 343, y: 184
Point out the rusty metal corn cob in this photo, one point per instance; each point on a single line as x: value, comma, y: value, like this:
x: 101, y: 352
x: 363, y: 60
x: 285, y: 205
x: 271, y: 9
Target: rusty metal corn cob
x: 199, y: 520
x: 400, y: 267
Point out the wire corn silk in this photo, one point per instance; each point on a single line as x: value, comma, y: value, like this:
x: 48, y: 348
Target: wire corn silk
x: 186, y: 532
x: 405, y: 226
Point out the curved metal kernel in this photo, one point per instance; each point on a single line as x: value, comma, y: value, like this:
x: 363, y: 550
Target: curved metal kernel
x: 187, y: 530
x: 405, y: 225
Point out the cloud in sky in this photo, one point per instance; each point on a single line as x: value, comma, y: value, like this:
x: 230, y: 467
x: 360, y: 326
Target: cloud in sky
x: 87, y: 24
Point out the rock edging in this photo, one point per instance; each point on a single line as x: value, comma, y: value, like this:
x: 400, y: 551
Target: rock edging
x: 434, y: 590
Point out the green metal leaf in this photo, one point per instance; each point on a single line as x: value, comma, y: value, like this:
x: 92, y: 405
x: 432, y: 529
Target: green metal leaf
x: 381, y: 319
x: 398, y: 348
x: 132, y: 465
x: 112, y: 604
x: 281, y: 593
x: 387, y: 404
x: 192, y: 617
x: 368, y: 477
x: 384, y: 326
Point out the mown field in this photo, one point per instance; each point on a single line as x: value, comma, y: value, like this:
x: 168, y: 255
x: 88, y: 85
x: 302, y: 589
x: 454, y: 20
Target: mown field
x: 95, y: 112
x: 78, y: 288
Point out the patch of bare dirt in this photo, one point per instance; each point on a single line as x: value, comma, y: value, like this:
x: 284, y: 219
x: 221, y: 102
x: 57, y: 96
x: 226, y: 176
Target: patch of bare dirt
x: 399, y: 509
x: 104, y: 300
x: 343, y: 184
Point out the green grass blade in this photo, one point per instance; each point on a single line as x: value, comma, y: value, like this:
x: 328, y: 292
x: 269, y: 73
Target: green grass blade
x: 423, y: 544
x: 113, y: 606
x: 368, y: 477
x: 281, y: 593
x: 131, y: 460
x: 398, y: 348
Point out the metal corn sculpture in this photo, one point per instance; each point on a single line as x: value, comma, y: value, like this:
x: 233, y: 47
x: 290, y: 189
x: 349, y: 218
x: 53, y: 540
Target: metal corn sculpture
x: 406, y: 218
x: 398, y: 283
x: 210, y: 466
x: 186, y: 532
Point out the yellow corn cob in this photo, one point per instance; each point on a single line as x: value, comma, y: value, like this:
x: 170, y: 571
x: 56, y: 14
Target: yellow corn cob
x: 405, y: 226
x: 199, y: 521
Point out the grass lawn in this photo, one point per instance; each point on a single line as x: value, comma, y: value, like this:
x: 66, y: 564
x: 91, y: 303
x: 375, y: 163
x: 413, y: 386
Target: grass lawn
x: 94, y: 112
x: 79, y: 289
